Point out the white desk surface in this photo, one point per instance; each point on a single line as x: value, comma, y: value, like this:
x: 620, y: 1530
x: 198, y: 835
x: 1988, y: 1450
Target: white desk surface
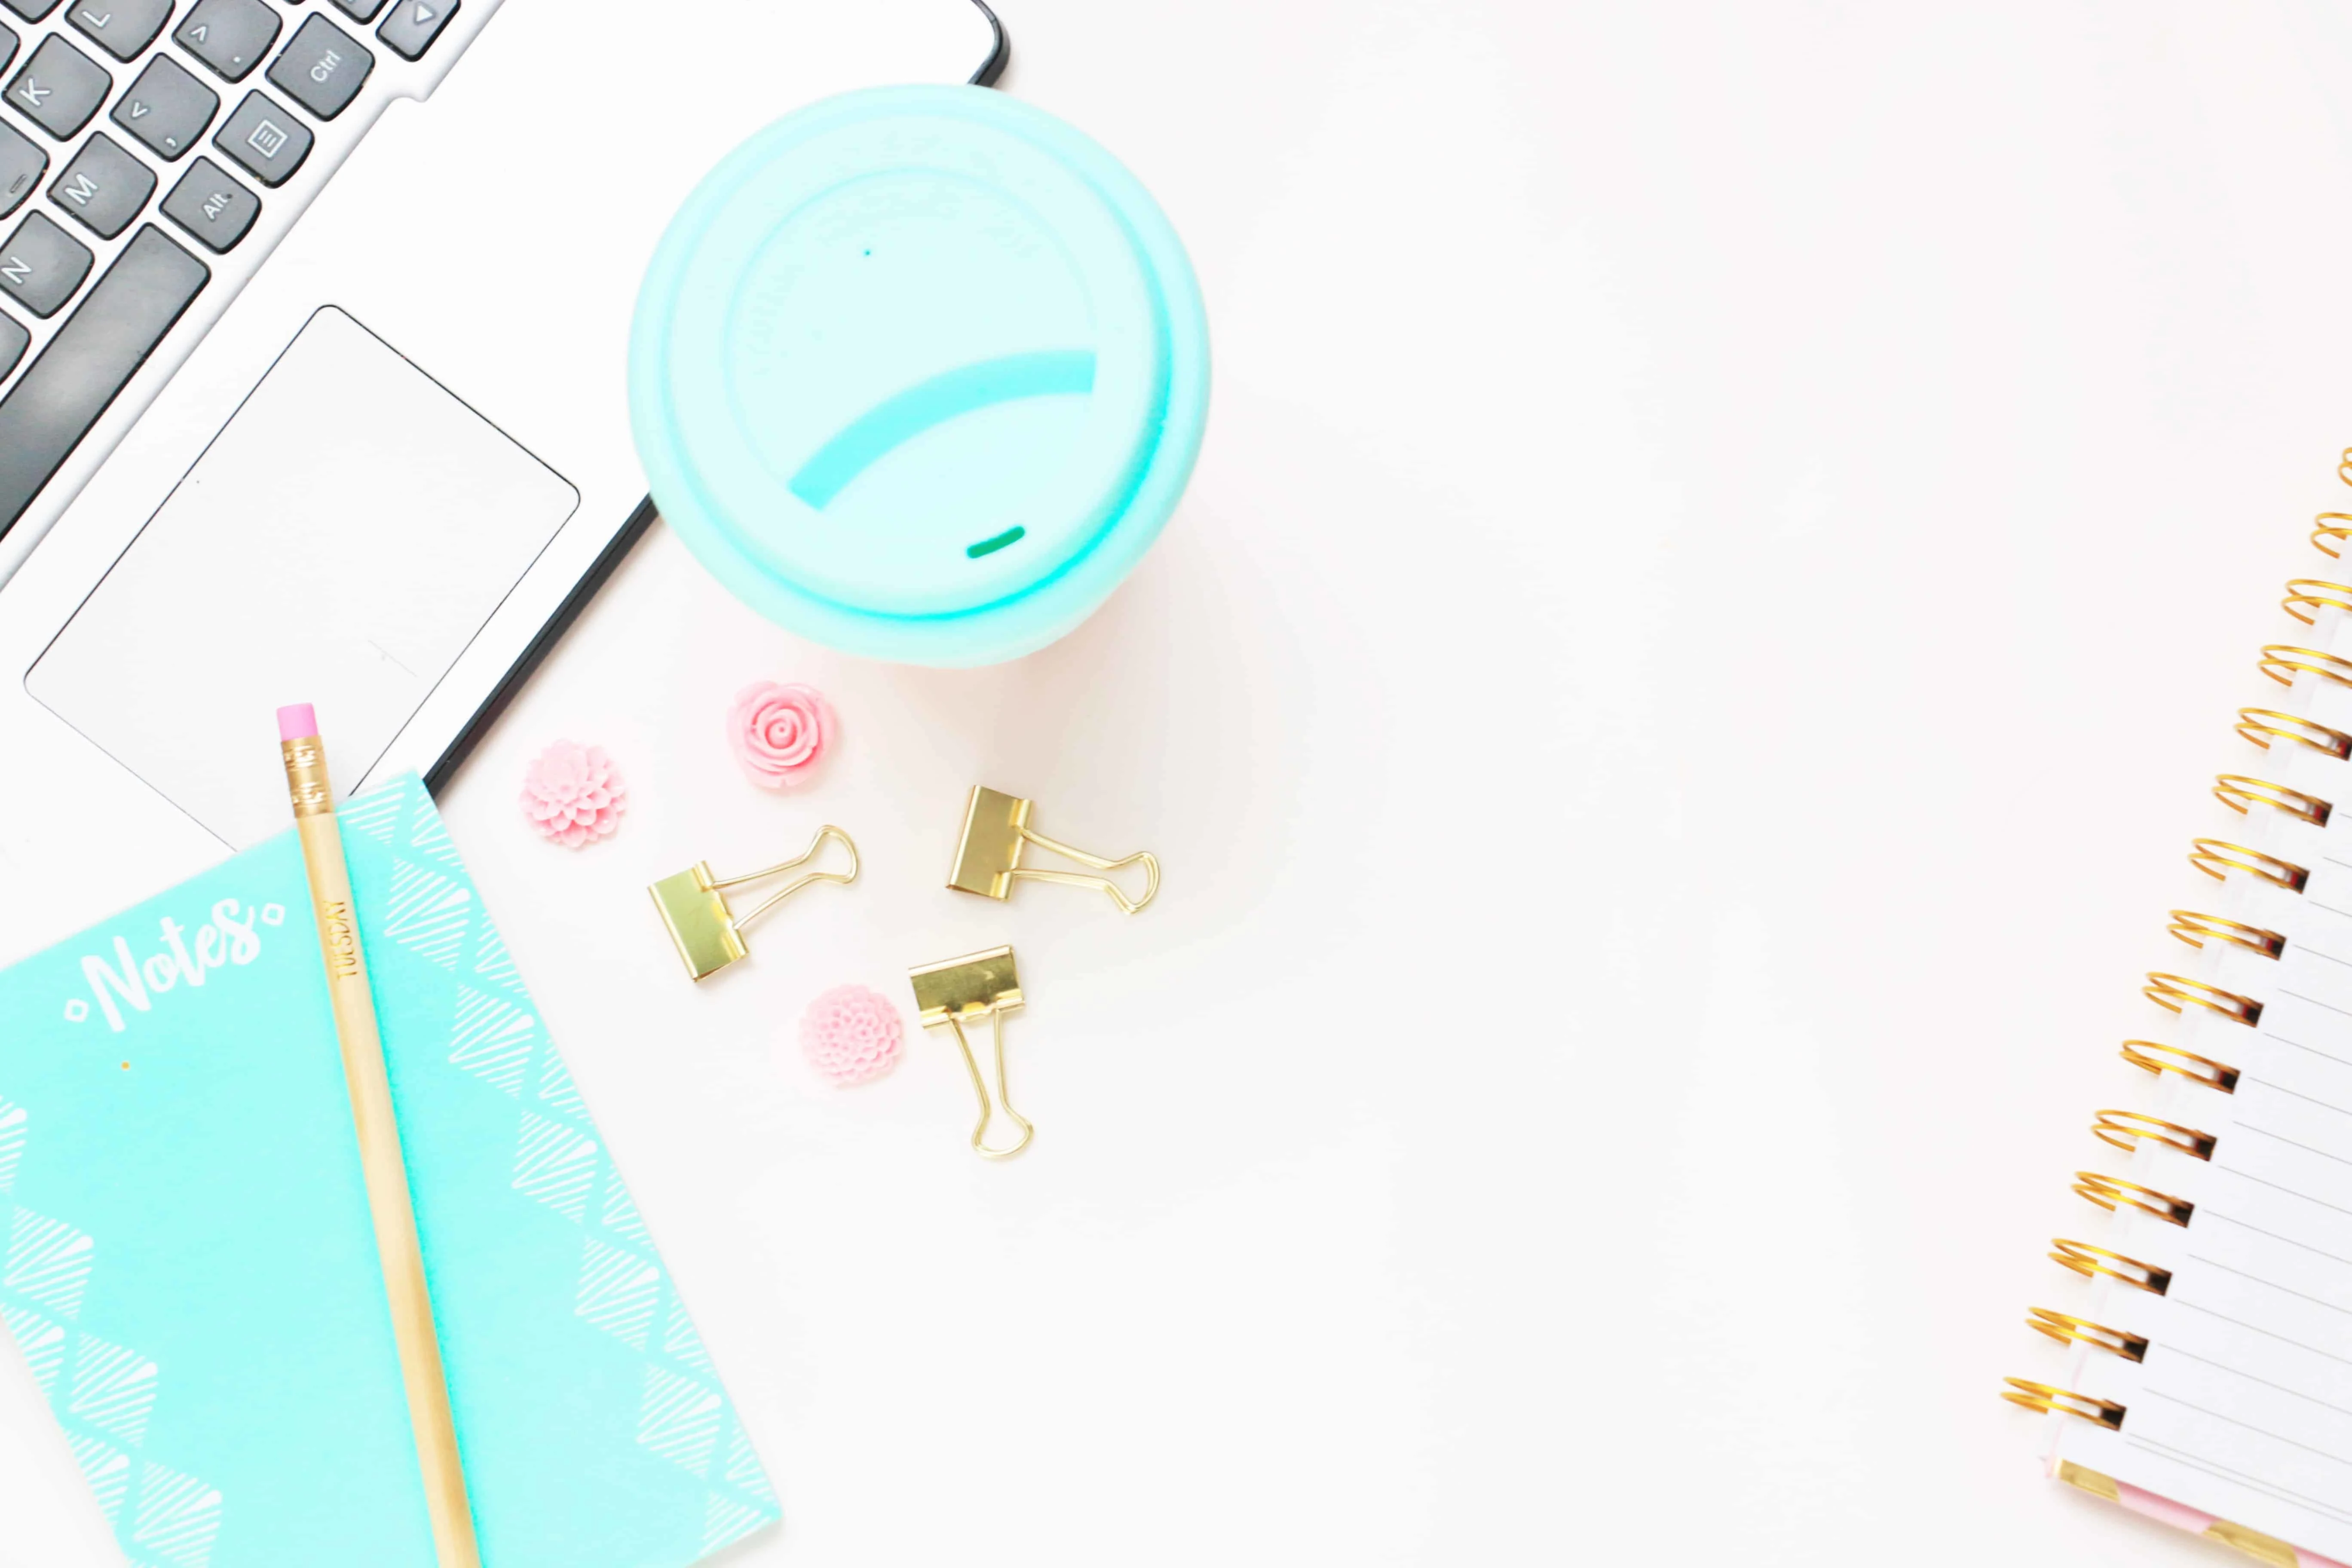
x: 1728, y: 542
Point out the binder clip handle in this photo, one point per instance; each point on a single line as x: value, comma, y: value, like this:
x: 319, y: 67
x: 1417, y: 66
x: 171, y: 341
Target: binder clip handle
x: 964, y: 990
x: 979, y: 1089
x: 816, y: 847
x: 1145, y: 858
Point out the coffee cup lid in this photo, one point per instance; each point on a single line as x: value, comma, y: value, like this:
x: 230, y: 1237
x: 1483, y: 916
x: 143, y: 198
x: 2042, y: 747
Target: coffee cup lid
x: 920, y: 373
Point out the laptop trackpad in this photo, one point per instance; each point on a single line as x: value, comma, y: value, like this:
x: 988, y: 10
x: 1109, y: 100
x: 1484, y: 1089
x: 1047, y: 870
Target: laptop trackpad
x: 340, y: 543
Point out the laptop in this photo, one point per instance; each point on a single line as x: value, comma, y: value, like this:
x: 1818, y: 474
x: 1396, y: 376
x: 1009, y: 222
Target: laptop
x: 313, y: 326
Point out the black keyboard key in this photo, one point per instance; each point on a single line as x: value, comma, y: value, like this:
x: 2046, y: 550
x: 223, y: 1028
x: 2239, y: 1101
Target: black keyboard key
x: 42, y: 265
x: 14, y: 340
x: 360, y: 10
x: 324, y: 68
x: 104, y: 187
x: 22, y: 165
x: 413, y: 25
x: 167, y: 109
x: 230, y: 35
x: 60, y: 89
x: 212, y: 206
x: 31, y: 10
x: 268, y: 140
x: 88, y: 362
x: 123, y: 28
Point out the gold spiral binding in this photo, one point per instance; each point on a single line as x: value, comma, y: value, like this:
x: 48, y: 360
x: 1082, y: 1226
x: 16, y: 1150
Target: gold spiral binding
x: 2260, y: 724
x: 2305, y: 596
x: 2242, y: 793
x: 2150, y: 1056
x: 2041, y: 1396
x: 2111, y: 1192
x: 2069, y: 1330
x: 2321, y: 533
x: 2125, y: 1130
x: 2172, y: 992
x: 2192, y: 927
x: 2217, y: 858
x: 2095, y: 1262
x: 2282, y: 662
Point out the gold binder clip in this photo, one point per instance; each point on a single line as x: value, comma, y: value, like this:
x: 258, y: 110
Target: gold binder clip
x: 995, y: 832
x: 709, y: 934
x: 964, y: 990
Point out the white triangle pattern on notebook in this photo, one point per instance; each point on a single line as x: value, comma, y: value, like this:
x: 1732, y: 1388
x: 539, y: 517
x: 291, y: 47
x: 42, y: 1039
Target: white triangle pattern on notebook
x: 679, y: 1419
x: 107, y: 1470
x: 493, y: 1040
x: 727, y: 1521
x: 743, y: 1466
x: 178, y: 1518
x: 621, y: 1216
x: 556, y: 1090
x: 492, y: 963
x: 47, y: 1262
x: 430, y: 839
x: 556, y: 1164
x: 43, y: 1343
x: 113, y: 1388
x: 428, y: 914
x: 375, y: 813
x: 683, y: 1342
x: 619, y: 1292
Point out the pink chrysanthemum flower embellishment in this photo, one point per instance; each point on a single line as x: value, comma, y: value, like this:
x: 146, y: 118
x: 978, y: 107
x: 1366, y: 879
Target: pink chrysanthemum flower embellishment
x: 850, y: 1034
x: 780, y: 733
x: 573, y: 795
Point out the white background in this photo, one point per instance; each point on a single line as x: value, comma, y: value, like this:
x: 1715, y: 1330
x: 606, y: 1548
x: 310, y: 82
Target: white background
x: 1728, y: 542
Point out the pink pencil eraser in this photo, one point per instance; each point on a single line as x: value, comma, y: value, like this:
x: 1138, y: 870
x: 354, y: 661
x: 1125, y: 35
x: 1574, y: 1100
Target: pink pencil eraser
x: 299, y: 722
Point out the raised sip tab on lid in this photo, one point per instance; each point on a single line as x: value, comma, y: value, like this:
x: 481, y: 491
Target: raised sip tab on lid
x: 920, y: 372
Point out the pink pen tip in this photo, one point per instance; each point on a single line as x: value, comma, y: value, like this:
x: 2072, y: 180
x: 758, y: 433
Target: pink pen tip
x: 299, y: 722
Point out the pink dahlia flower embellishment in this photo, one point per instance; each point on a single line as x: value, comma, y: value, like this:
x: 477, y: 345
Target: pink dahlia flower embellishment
x: 573, y: 795
x: 850, y: 1034
x: 780, y: 733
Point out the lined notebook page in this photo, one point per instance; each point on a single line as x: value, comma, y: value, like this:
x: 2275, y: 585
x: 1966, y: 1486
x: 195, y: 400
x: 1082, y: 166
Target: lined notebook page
x: 2242, y: 1408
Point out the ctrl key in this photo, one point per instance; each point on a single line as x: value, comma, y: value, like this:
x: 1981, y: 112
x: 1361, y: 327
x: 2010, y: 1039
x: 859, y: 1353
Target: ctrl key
x: 213, y: 207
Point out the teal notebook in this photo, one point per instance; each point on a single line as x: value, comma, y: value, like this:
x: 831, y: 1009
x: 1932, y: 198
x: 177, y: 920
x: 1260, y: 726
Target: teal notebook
x: 187, y: 1265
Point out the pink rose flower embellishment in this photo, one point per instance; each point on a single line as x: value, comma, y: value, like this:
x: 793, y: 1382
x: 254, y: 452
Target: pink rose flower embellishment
x: 850, y: 1034
x: 573, y: 795
x: 779, y: 732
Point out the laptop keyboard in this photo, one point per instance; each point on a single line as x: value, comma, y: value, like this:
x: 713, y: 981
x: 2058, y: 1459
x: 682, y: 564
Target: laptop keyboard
x: 105, y: 103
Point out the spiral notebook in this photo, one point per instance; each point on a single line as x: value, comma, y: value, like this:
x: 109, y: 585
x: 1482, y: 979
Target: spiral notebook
x: 2209, y: 1382
x: 187, y: 1264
